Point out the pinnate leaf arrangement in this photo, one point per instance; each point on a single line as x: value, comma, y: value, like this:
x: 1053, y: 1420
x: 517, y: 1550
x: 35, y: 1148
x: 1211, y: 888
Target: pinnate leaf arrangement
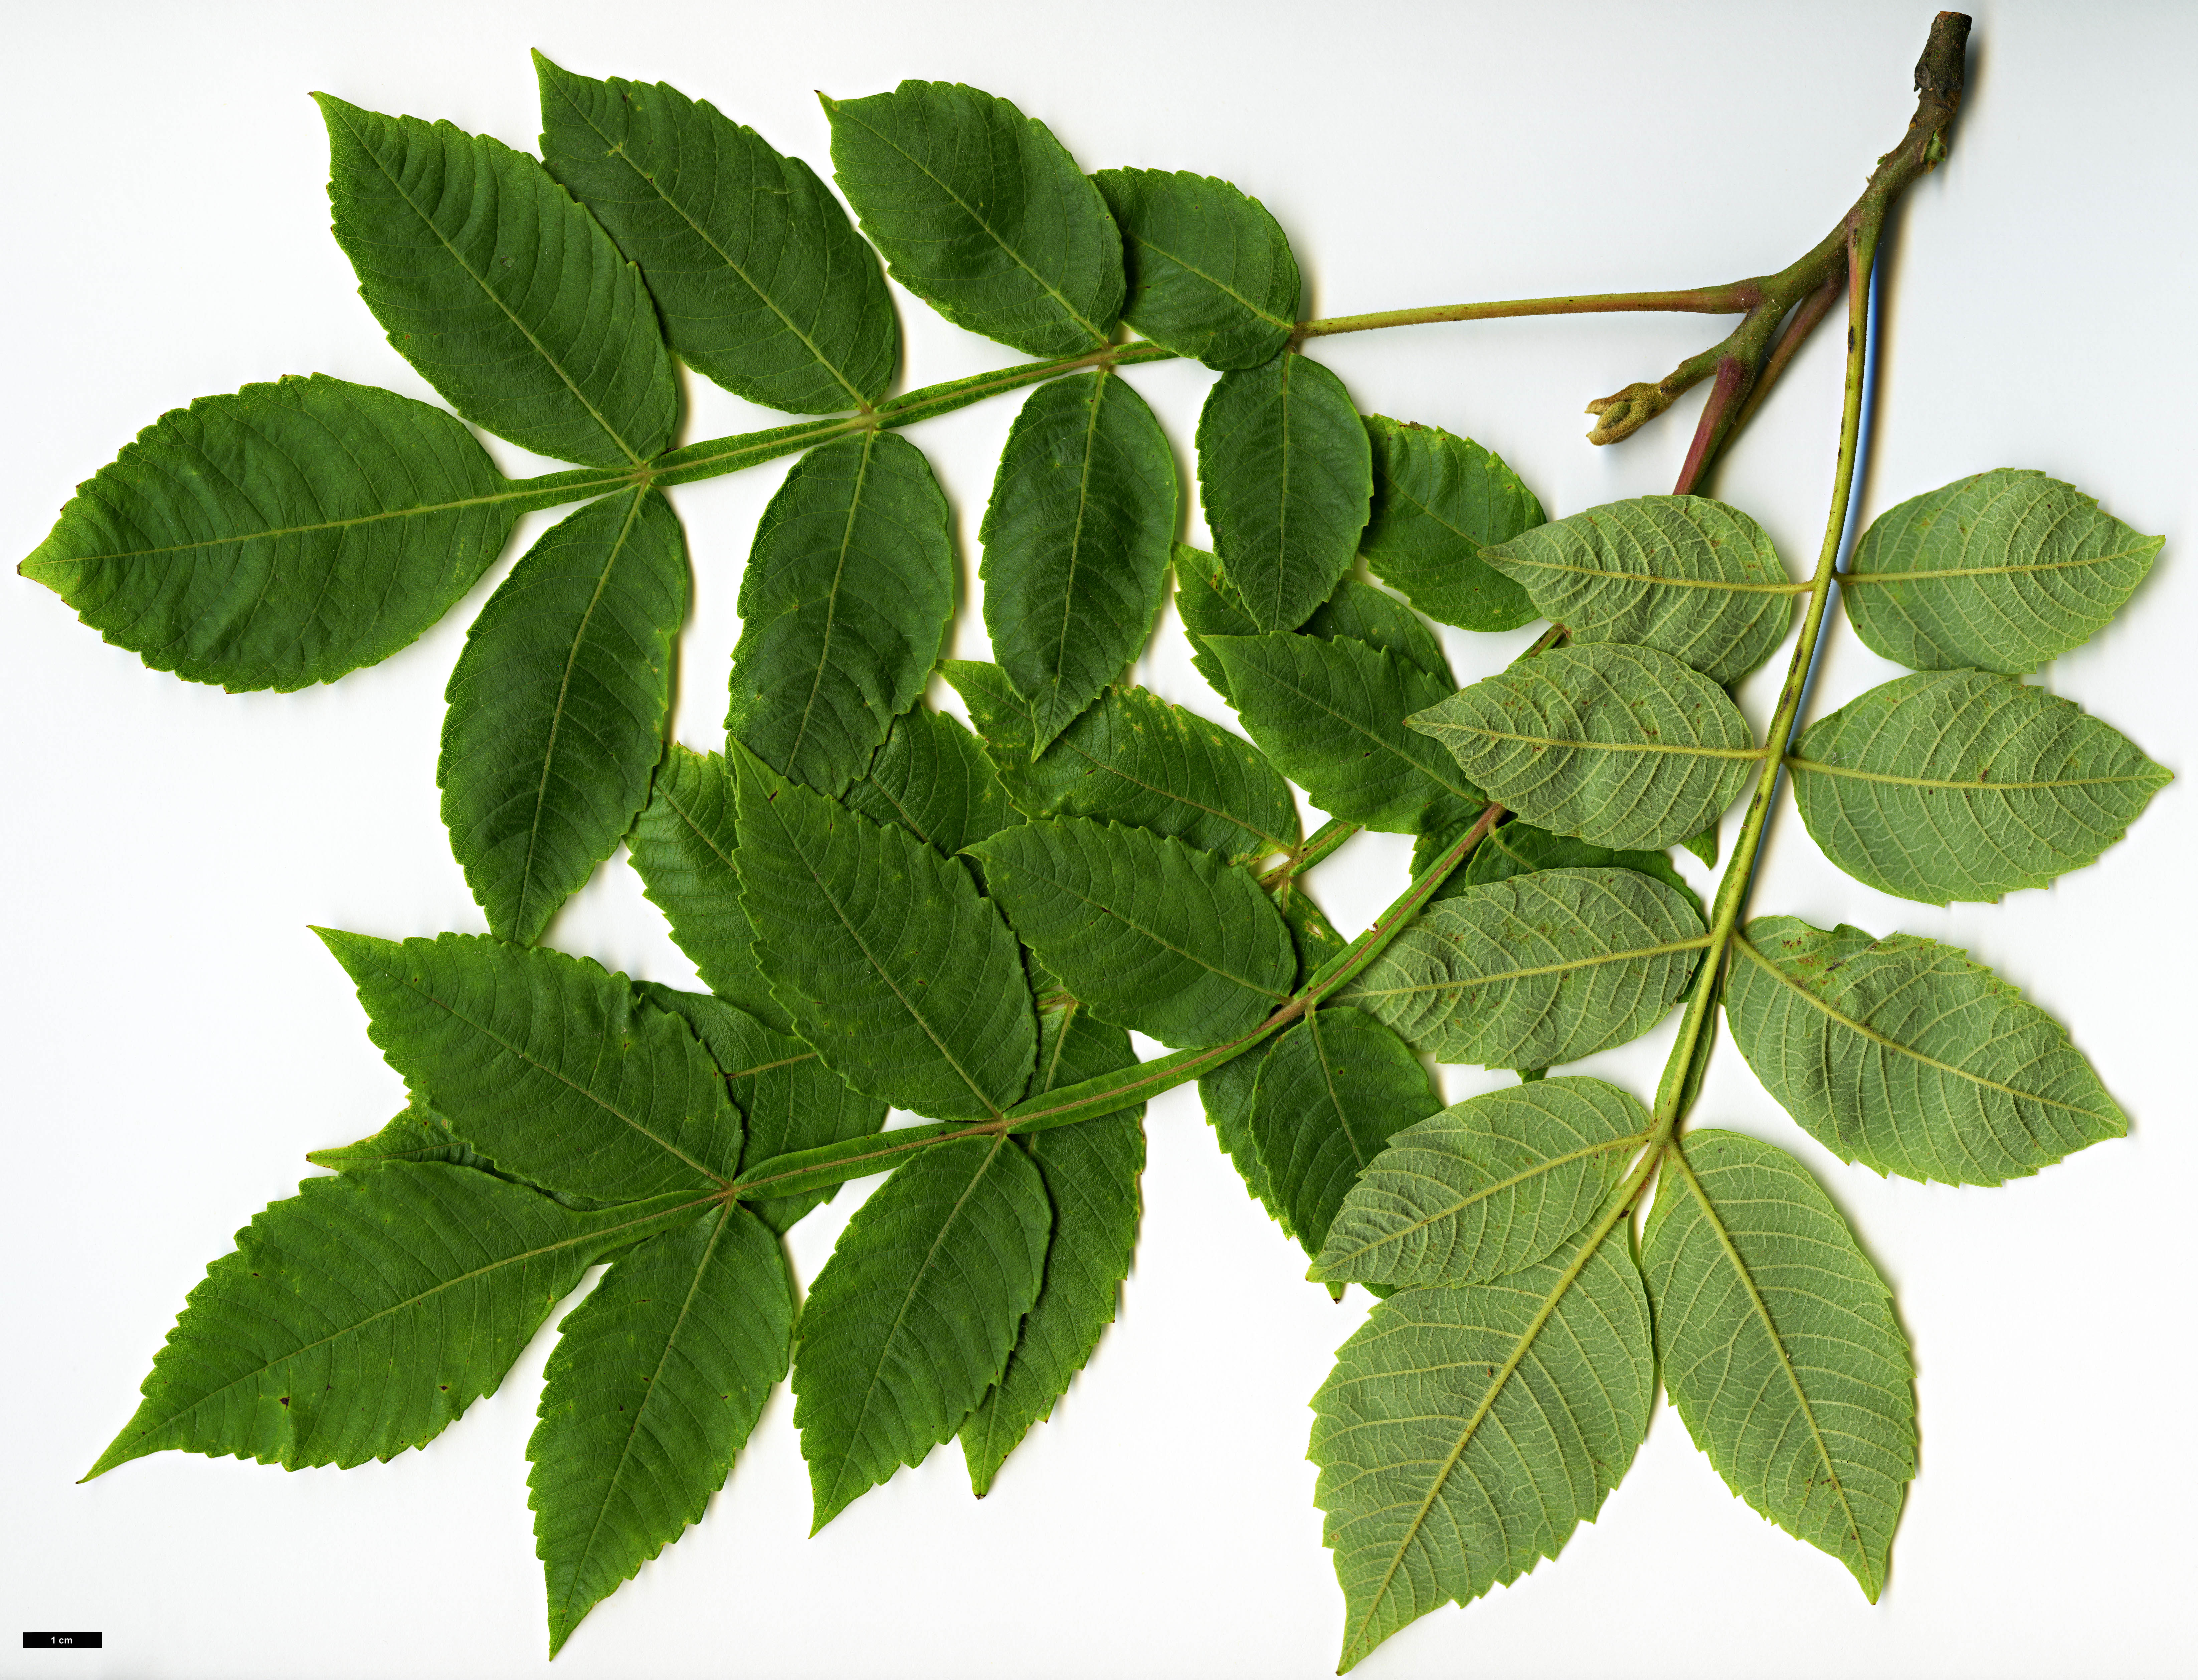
x: 895, y: 911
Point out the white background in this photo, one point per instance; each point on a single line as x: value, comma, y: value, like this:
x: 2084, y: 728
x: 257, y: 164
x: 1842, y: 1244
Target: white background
x: 176, y: 1039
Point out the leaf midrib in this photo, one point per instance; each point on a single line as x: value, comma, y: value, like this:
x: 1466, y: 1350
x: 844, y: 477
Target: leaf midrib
x: 1112, y: 768
x: 1722, y: 585
x: 1800, y: 765
x: 2150, y: 545
x: 1484, y: 732
x: 1075, y: 556
x: 1218, y: 284
x: 831, y: 600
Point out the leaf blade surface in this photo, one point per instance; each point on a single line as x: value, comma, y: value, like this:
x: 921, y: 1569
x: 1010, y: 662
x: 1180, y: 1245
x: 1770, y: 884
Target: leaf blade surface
x: 1909, y: 1057
x: 505, y: 294
x: 1962, y: 784
x: 1211, y: 275
x: 1441, y: 502
x: 1780, y: 1348
x: 279, y: 536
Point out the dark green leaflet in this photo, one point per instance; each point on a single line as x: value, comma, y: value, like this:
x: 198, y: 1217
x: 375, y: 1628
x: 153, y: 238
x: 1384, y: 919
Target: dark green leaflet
x: 1909, y: 1056
x: 844, y: 607
x: 763, y: 286
x: 1543, y: 969
x: 1439, y: 502
x: 1148, y: 932
x: 932, y: 777
x: 788, y: 1099
x: 1211, y: 275
x: 1685, y: 575
x: 1624, y: 747
x: 1962, y: 784
x: 280, y: 537
x: 1332, y: 717
x: 1283, y: 474
x: 1090, y: 1171
x: 1076, y: 543
x: 912, y: 1319
x: 420, y: 1134
x: 907, y: 982
x: 557, y: 708
x: 363, y: 1315
x: 1358, y: 612
x: 981, y: 214
x: 683, y: 847
x: 1226, y: 1096
x: 2003, y: 571
x: 506, y: 295
x: 1209, y: 607
x: 1486, y: 1186
x: 1331, y: 1093
x: 656, y: 1382
x: 1134, y: 758
x: 1467, y: 1431
x: 542, y: 1062
x: 1779, y: 1346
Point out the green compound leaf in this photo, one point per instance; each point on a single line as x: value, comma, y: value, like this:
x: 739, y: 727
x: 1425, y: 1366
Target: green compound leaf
x: 1466, y: 1432
x: 683, y: 847
x: 932, y: 777
x: 1149, y: 933
x: 1909, y: 1057
x: 1439, y: 503
x: 1962, y: 784
x: 1685, y: 575
x: 844, y: 607
x: 763, y: 285
x: 1284, y: 474
x: 911, y: 1320
x: 1358, y: 612
x: 789, y: 1099
x: 1091, y: 1171
x: 363, y: 1315
x: 1332, y: 717
x: 1211, y: 274
x: 1076, y: 543
x: 1331, y: 1094
x: 1540, y: 969
x: 557, y: 708
x: 1520, y: 848
x: 2003, y: 571
x: 542, y: 1062
x: 1486, y: 1187
x: 282, y: 536
x: 907, y: 982
x: 508, y: 297
x: 1134, y: 757
x: 656, y: 1379
x: 1625, y: 746
x: 1780, y: 1349
x: 982, y: 214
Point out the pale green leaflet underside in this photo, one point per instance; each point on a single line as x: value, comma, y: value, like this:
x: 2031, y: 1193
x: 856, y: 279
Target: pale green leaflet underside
x: 1486, y: 1187
x: 1625, y: 746
x: 1688, y: 576
x: 1780, y: 1349
x: 1962, y: 784
x: 2002, y: 571
x: 1909, y: 1057
x: 1467, y: 1431
x: 1541, y: 970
